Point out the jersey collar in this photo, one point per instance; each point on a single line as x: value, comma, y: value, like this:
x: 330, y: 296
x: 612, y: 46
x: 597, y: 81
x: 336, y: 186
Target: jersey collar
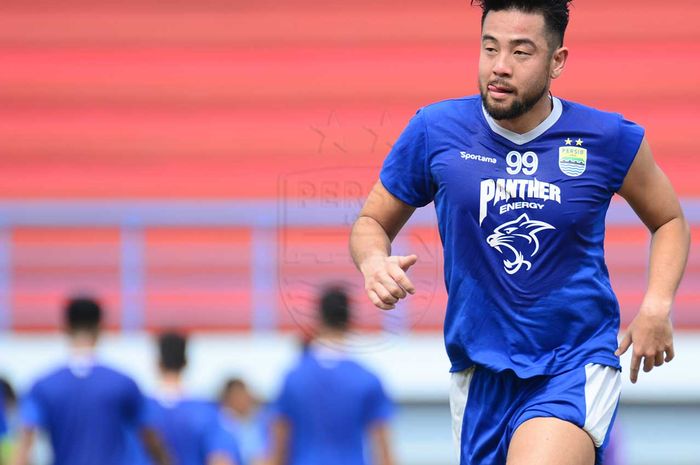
x: 169, y: 395
x: 520, y: 139
x: 81, y: 362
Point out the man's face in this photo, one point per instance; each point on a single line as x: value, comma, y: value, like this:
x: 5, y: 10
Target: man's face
x: 515, y: 63
x: 240, y: 400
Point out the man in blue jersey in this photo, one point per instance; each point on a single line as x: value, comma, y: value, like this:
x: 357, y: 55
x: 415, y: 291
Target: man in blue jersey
x: 6, y: 394
x: 88, y: 410
x: 246, y: 421
x: 191, y: 428
x: 331, y: 410
x: 521, y: 182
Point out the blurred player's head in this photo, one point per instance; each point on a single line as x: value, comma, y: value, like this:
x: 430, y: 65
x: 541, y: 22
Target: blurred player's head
x: 8, y: 393
x: 236, y: 396
x: 83, y: 316
x: 334, y: 310
x: 522, y: 50
x: 172, y: 349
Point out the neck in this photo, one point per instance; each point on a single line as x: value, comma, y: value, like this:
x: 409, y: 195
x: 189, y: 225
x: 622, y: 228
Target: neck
x: 238, y: 413
x: 82, y: 343
x: 170, y: 381
x: 530, y: 120
x: 331, y: 335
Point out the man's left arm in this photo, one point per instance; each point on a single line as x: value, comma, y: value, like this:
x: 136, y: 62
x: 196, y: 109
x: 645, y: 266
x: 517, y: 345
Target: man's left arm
x: 154, y: 447
x: 381, y: 444
x: 281, y: 435
x: 649, y: 192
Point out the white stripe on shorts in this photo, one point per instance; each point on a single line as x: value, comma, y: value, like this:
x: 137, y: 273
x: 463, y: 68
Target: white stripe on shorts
x: 602, y: 392
x: 603, y: 385
x: 459, y: 392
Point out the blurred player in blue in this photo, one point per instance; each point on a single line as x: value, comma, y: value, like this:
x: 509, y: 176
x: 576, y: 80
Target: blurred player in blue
x: 88, y: 410
x: 247, y: 421
x: 7, y: 396
x: 8, y: 420
x: 190, y: 428
x: 521, y: 181
x: 614, y: 453
x: 331, y: 410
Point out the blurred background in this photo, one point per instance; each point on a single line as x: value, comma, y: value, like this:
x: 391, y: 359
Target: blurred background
x: 197, y: 165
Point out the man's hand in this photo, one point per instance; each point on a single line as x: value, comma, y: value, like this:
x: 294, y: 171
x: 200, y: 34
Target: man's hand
x: 385, y: 279
x: 651, y: 336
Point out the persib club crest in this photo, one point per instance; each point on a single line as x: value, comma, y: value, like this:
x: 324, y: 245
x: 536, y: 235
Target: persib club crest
x: 572, y: 160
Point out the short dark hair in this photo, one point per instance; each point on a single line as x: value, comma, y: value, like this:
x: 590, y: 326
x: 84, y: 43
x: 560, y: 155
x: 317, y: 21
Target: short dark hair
x: 172, y: 347
x: 334, y: 309
x: 8, y: 393
x: 555, y: 13
x: 83, y: 314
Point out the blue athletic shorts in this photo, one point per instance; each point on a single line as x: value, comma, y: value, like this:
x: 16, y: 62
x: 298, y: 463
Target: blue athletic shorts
x: 488, y: 407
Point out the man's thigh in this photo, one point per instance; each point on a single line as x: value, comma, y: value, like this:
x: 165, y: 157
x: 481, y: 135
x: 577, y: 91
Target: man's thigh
x: 550, y: 441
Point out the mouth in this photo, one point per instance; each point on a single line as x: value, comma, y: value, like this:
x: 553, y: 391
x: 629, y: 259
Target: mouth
x: 499, y: 92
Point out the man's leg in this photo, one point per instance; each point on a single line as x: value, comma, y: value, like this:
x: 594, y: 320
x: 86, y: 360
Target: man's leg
x: 550, y: 441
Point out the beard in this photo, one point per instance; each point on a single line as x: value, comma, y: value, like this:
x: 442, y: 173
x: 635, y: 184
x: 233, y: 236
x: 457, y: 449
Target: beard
x: 519, y: 106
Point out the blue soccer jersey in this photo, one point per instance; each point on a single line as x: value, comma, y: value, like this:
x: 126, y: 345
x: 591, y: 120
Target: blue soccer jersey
x: 191, y: 430
x: 3, y: 419
x: 522, y: 222
x: 330, y: 404
x: 249, y: 437
x: 88, y: 413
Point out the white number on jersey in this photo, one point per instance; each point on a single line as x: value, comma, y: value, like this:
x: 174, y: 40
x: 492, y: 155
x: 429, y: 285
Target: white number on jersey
x: 527, y: 163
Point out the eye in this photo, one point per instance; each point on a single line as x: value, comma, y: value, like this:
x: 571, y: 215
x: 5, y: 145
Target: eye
x: 521, y: 53
x: 509, y: 230
x: 490, y: 49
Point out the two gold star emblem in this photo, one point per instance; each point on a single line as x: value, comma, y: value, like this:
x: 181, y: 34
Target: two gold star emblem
x: 579, y: 142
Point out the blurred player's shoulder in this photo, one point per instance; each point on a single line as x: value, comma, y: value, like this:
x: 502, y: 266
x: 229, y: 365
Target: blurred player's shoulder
x: 94, y: 374
x: 326, y: 359
x: 192, y: 407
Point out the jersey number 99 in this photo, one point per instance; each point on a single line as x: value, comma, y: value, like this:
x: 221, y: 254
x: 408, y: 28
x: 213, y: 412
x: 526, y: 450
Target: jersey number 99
x: 527, y: 163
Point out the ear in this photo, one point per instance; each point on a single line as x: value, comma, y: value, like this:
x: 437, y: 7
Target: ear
x: 559, y: 58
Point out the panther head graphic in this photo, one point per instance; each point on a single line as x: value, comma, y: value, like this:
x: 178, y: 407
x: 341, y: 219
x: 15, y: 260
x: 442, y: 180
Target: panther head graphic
x: 514, y: 236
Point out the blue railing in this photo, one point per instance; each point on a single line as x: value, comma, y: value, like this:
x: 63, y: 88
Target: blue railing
x: 263, y: 218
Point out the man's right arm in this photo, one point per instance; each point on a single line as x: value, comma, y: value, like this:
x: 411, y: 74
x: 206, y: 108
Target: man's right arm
x: 381, y: 444
x: 281, y: 434
x: 154, y: 446
x: 24, y: 447
x: 382, y: 217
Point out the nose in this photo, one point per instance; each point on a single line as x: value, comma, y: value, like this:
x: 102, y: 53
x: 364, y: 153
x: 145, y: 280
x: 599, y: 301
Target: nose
x: 501, y: 66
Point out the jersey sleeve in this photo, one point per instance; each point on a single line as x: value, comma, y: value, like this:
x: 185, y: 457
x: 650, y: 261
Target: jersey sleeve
x: 379, y: 407
x: 284, y: 404
x: 629, y: 140
x: 135, y: 410
x: 3, y: 418
x: 264, y: 422
x: 219, y: 440
x: 31, y: 410
x: 406, y: 170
